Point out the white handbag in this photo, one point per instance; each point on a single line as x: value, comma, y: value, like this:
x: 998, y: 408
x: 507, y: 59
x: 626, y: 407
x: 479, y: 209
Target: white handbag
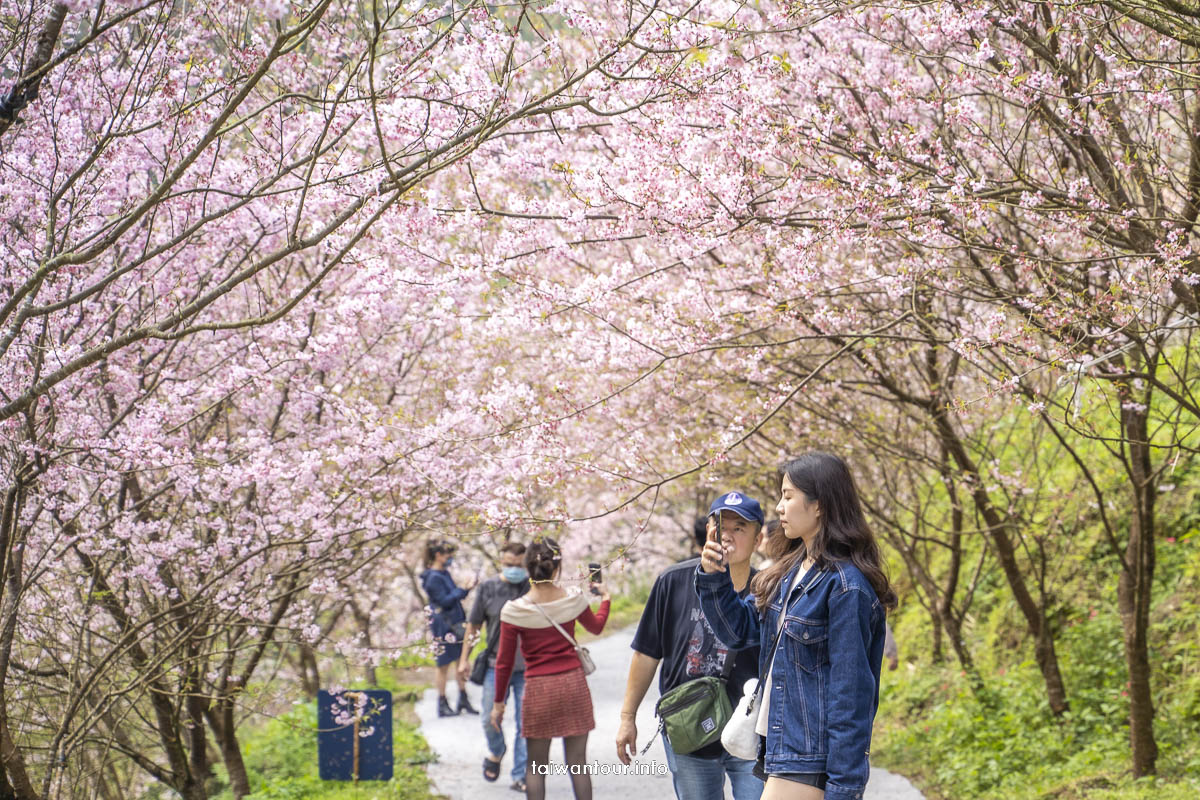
x: 738, y: 736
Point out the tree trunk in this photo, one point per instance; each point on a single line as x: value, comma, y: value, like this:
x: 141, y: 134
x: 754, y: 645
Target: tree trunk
x: 1135, y: 587
x: 220, y: 719
x: 197, y: 746
x: 310, y: 673
x: 26, y: 89
x: 998, y: 533
x: 999, y: 529
x: 15, y: 782
x: 363, y: 618
x: 940, y: 605
x: 166, y: 719
x: 192, y: 789
x: 944, y: 608
x: 938, y: 655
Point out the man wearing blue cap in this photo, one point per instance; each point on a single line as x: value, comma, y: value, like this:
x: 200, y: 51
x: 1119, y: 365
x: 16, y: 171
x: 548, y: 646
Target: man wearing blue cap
x: 674, y: 633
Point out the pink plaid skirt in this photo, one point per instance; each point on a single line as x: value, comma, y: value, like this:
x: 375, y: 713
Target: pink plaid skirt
x: 556, y: 705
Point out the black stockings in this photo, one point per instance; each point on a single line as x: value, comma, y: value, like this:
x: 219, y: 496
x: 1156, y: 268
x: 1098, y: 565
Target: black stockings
x: 574, y: 755
x: 575, y: 752
x: 539, y: 759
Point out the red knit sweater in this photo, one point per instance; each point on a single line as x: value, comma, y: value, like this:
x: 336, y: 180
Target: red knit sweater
x: 546, y: 651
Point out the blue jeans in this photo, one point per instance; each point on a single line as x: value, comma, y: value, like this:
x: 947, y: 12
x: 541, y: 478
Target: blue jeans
x: 704, y: 778
x: 495, y: 739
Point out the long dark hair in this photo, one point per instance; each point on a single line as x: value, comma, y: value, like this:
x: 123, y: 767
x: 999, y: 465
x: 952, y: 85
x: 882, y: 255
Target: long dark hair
x: 542, y: 559
x: 843, y: 536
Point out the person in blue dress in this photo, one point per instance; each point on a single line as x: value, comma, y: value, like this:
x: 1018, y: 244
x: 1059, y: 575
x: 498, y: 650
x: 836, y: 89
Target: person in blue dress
x: 447, y: 622
x: 823, y: 601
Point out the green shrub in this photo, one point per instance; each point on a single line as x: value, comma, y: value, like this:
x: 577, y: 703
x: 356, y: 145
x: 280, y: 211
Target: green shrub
x: 1002, y: 741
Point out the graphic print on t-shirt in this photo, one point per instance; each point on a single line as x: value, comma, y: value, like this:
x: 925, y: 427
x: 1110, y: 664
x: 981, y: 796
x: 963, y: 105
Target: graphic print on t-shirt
x: 705, y: 653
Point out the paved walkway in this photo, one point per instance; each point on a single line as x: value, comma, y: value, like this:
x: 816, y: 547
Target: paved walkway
x: 459, y: 743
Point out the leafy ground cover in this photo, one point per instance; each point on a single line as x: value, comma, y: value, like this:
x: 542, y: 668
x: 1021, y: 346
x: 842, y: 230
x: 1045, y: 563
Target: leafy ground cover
x: 281, y: 756
x: 1002, y: 742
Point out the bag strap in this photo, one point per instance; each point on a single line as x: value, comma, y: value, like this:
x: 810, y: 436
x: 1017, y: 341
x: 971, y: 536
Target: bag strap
x: 779, y: 629
x: 771, y: 660
x: 726, y: 671
x: 662, y: 723
x: 561, y: 629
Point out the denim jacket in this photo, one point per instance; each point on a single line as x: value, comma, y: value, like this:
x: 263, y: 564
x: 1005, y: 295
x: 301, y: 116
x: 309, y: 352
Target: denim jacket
x: 825, y: 685
x: 446, y: 600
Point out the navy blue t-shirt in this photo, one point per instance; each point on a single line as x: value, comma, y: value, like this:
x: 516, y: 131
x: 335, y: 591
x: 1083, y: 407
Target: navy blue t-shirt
x: 674, y: 630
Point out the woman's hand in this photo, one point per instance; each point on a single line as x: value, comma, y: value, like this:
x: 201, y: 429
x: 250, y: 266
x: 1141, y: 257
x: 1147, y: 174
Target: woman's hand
x: 712, y: 557
x: 497, y: 715
x: 601, y: 591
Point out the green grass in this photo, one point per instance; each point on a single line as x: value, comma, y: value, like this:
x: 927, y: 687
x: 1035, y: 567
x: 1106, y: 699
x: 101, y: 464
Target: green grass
x: 281, y: 758
x: 281, y: 753
x: 1004, y: 743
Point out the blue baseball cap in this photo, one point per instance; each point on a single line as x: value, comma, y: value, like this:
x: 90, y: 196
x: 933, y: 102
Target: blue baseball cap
x: 744, y: 506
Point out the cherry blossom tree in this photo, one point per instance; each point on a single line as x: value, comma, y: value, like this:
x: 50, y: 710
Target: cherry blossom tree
x: 1034, y: 162
x: 220, y: 336
x: 295, y: 287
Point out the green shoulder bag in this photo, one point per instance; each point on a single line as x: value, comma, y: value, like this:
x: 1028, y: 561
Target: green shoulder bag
x: 694, y: 713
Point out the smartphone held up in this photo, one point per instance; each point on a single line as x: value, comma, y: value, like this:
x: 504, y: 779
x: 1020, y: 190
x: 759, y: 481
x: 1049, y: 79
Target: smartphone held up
x: 714, y: 535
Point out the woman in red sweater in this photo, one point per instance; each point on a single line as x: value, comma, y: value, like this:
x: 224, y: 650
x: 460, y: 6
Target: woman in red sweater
x: 557, y: 701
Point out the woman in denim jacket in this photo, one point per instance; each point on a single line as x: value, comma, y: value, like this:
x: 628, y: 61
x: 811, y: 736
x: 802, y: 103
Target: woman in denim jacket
x: 822, y: 685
